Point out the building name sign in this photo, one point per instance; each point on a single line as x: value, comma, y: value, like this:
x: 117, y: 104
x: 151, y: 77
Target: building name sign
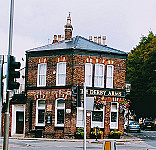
x: 101, y: 92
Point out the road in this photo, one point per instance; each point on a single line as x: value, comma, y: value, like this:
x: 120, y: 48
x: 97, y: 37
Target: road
x: 148, y: 144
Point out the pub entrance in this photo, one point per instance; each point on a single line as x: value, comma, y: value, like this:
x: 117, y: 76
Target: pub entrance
x: 19, y: 122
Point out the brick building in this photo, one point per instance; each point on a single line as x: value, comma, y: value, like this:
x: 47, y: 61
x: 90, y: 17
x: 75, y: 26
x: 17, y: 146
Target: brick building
x: 55, y: 71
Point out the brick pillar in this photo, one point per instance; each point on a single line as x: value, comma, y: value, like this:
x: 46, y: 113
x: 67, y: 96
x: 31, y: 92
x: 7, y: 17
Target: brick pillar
x: 107, y: 119
x: 88, y: 124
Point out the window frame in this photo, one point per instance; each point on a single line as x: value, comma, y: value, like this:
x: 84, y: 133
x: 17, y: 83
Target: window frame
x: 112, y: 124
x: 57, y: 74
x: 86, y: 74
x: 59, y: 108
x: 111, y: 77
x: 39, y: 75
x: 96, y: 75
x: 37, y: 110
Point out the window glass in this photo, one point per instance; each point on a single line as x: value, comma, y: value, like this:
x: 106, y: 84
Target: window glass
x: 109, y: 79
x: 41, y: 78
x: 61, y: 73
x: 60, y: 116
x: 114, y: 107
x: 41, y: 116
x: 97, y: 116
x: 113, y: 116
x: 41, y: 103
x: 88, y: 74
x: 99, y: 75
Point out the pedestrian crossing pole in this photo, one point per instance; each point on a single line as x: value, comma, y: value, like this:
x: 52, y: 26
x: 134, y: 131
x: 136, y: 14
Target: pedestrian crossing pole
x: 6, y: 121
x: 84, y: 143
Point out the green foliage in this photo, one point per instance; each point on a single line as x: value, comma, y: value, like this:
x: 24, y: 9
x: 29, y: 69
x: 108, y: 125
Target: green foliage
x: 96, y: 131
x: 141, y: 72
x: 115, y: 133
x: 80, y: 131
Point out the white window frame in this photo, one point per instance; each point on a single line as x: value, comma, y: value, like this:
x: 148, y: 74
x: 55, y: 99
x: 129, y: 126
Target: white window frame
x: 114, y: 125
x: 37, y: 109
x: 99, y: 76
x: 109, y: 77
x: 98, y: 123
x: 63, y: 73
x: 41, y: 75
x: 87, y: 75
x: 56, y: 109
x: 80, y: 123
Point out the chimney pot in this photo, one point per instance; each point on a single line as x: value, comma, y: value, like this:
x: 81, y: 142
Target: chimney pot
x: 59, y: 38
x: 95, y: 39
x: 55, y: 39
x: 104, y: 40
x: 90, y: 38
x: 99, y: 39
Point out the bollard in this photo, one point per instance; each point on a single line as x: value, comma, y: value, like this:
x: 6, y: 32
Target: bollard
x: 109, y: 145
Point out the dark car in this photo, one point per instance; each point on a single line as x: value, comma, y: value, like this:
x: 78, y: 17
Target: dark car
x: 134, y: 126
x: 148, y: 125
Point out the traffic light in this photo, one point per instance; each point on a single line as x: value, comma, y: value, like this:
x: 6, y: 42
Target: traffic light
x: 12, y: 73
x: 76, y: 94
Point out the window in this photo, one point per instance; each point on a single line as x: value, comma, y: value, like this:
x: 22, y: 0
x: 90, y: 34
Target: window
x: 59, y: 112
x: 114, y: 116
x: 88, y: 74
x: 41, y: 76
x: 61, y: 74
x: 109, y: 80
x: 40, y: 112
x: 80, y: 117
x: 97, y: 116
x: 99, y: 75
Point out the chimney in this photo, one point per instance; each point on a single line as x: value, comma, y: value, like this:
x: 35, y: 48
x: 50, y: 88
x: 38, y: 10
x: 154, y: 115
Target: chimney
x: 104, y: 40
x: 68, y: 29
x: 99, y: 39
x: 55, y: 39
x: 95, y: 39
x: 90, y: 38
x: 59, y: 38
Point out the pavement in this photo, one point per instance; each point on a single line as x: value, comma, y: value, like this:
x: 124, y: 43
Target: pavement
x: 122, y: 140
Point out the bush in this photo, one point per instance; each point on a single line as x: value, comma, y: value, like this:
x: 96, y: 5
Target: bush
x: 79, y: 133
x: 115, y: 134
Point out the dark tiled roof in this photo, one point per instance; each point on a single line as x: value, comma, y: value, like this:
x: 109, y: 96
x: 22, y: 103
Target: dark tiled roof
x: 80, y: 43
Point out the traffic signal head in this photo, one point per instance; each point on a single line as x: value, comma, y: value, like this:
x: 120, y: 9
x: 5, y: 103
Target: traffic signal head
x: 13, y: 74
x: 76, y: 94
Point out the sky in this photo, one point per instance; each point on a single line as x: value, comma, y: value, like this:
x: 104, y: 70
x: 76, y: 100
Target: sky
x: 123, y: 22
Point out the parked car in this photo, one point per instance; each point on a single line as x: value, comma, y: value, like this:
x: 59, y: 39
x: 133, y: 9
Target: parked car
x: 134, y: 126
x: 148, y: 125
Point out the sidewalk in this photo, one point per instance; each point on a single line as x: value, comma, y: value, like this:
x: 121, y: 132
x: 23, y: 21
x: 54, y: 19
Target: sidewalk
x: 123, y: 139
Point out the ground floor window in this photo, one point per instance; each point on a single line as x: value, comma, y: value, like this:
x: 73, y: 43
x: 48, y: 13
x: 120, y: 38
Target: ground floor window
x: 80, y: 117
x: 97, y: 118
x: 40, y: 112
x: 114, y: 115
x: 59, y: 112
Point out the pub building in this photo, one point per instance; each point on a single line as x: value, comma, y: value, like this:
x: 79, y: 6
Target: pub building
x: 55, y: 75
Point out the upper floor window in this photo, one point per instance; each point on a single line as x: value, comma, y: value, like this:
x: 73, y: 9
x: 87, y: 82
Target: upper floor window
x: 41, y: 75
x: 109, y: 79
x: 99, y: 75
x: 88, y: 74
x: 61, y: 74
x: 40, y: 112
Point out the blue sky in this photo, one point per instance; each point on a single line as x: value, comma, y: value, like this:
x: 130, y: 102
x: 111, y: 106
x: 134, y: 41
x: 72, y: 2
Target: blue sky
x: 123, y: 22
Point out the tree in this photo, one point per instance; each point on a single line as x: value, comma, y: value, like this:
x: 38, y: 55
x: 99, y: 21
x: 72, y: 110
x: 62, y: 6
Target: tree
x: 141, y: 72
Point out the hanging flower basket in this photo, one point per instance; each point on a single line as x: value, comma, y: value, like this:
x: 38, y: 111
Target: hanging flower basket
x: 98, y: 104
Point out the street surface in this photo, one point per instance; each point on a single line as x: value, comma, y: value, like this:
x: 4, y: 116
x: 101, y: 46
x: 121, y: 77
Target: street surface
x: 148, y: 144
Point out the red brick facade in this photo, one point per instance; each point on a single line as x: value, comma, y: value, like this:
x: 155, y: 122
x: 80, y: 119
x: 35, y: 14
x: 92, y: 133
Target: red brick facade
x: 74, y: 76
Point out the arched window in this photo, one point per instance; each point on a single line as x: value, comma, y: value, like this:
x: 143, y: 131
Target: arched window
x: 40, y: 112
x: 59, y: 112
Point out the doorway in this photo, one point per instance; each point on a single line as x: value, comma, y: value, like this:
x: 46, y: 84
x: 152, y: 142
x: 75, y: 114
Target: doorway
x: 19, y: 122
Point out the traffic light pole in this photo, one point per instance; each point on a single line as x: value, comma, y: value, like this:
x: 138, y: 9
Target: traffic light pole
x: 6, y: 122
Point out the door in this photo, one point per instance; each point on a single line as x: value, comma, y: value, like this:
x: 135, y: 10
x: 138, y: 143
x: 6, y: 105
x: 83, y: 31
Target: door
x: 19, y: 122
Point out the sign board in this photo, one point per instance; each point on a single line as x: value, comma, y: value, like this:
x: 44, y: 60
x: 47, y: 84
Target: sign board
x: 128, y: 87
x: 90, y: 103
